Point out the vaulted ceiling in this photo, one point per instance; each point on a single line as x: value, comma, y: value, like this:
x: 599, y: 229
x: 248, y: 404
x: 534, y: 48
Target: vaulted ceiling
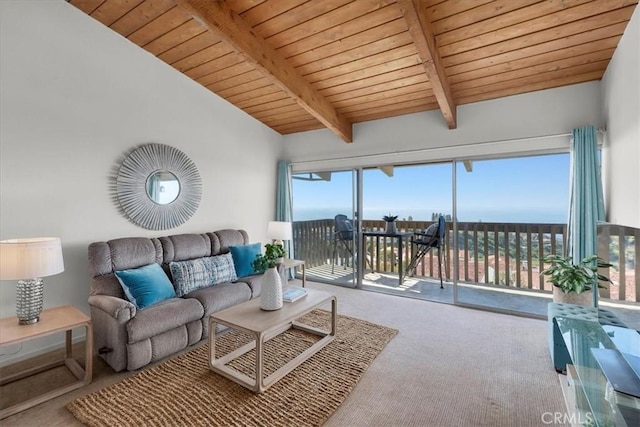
x: 298, y: 65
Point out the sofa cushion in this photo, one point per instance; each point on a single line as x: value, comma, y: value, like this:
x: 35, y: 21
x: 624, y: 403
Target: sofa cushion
x: 243, y: 256
x: 216, y: 298
x: 189, y: 276
x: 254, y: 282
x: 163, y: 317
x: 146, y: 285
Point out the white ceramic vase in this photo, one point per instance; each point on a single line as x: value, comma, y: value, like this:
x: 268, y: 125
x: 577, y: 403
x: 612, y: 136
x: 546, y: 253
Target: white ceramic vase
x: 271, y: 293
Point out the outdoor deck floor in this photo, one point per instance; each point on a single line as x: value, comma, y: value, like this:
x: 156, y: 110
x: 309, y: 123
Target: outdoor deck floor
x: 512, y: 300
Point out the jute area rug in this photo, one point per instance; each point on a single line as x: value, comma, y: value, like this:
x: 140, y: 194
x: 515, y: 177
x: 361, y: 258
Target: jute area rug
x: 184, y: 392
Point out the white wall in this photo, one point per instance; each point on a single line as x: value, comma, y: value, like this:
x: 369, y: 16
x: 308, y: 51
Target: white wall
x: 621, y: 153
x: 75, y: 97
x: 537, y: 114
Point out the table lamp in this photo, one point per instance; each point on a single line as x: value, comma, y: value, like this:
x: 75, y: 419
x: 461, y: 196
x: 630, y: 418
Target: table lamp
x: 28, y: 261
x: 279, y: 231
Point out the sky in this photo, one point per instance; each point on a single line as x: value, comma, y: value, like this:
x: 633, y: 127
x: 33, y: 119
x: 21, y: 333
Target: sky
x: 524, y: 189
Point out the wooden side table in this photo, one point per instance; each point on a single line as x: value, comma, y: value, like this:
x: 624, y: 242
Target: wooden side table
x: 53, y: 320
x: 293, y: 263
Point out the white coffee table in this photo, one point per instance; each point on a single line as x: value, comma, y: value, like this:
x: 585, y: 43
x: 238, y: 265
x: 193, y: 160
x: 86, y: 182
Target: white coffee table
x: 264, y: 325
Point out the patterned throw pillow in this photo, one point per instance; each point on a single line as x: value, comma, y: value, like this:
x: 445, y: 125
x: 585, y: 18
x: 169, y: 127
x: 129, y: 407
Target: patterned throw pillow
x: 195, y: 274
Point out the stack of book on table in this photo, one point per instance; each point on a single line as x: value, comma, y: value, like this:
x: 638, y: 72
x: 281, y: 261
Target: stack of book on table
x: 293, y: 294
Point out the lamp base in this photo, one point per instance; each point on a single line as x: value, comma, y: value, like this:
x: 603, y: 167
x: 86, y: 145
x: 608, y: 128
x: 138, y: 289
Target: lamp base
x: 29, y: 300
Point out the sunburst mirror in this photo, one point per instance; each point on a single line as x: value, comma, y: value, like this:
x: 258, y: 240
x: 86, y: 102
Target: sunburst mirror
x: 158, y: 187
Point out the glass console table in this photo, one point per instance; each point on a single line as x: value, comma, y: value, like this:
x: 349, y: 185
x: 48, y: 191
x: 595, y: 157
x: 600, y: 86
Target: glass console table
x: 592, y: 347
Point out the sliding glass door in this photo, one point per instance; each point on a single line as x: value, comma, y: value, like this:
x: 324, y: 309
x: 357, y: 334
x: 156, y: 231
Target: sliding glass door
x: 511, y: 213
x: 325, y: 226
x: 397, y: 262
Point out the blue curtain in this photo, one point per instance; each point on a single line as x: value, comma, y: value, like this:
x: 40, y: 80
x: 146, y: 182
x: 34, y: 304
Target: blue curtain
x: 284, y: 199
x: 586, y: 202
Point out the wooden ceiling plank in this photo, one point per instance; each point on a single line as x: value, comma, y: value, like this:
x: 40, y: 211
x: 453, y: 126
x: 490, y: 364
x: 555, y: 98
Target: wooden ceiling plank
x: 394, y: 84
x: 87, y: 6
x: 477, y: 14
x: 571, y: 41
x: 205, y: 73
x: 189, y: 47
x: 281, y: 121
x: 247, y: 78
x: 543, y: 58
x: 296, y: 16
x: 250, y: 88
x: 294, y: 122
x: 332, y: 35
x: 292, y: 131
x: 230, y: 76
x: 179, y: 35
x: 414, y: 89
x: 386, y: 44
x: 394, y: 65
x: 523, y: 82
x: 591, y: 57
x: 274, y: 108
x: 162, y: 24
x: 394, y: 100
x: 242, y: 6
x: 283, y: 113
x: 531, y: 87
x: 204, y: 56
x: 259, y: 96
x: 362, y: 63
x: 532, y: 26
x: 373, y: 81
x: 267, y: 10
x: 512, y: 19
x: 111, y: 10
x: 559, y: 32
x: 219, y: 18
x: 449, y: 8
x: 331, y: 19
x: 144, y: 13
x: 392, y: 110
x: 362, y: 116
x: 419, y: 28
x: 301, y: 122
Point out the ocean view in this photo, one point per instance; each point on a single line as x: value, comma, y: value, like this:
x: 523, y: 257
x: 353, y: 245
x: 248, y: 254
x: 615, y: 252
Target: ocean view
x: 512, y: 216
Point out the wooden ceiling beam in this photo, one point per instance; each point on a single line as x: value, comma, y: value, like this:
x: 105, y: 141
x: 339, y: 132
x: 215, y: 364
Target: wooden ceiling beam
x: 415, y: 14
x: 221, y: 20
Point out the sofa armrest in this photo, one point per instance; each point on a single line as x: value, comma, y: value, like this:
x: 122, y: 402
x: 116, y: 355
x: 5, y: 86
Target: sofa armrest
x: 117, y: 308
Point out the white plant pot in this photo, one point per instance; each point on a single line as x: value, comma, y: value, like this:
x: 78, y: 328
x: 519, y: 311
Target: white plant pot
x: 271, y: 293
x: 585, y: 298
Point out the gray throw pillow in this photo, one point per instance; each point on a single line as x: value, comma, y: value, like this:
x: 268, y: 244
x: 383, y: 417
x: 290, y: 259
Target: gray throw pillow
x: 189, y: 276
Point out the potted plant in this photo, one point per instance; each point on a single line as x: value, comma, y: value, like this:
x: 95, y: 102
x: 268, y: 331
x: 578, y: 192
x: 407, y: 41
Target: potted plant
x: 271, y: 292
x: 572, y: 283
x: 391, y: 223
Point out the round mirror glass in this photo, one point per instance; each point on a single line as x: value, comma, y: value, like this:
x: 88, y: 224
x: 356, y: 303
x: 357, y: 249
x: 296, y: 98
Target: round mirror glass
x: 163, y: 187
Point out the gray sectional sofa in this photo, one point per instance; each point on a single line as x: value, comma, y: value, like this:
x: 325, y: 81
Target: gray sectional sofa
x: 128, y: 337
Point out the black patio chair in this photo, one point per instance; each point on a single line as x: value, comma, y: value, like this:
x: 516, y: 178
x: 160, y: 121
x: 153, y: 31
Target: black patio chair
x: 343, y: 234
x: 432, y: 237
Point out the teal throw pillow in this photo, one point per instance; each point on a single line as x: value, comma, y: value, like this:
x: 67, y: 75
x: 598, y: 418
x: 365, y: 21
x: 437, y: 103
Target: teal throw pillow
x: 243, y: 256
x: 191, y: 275
x: 146, y: 285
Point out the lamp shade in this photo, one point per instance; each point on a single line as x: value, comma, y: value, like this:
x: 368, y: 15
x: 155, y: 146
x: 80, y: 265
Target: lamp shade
x: 30, y: 258
x: 279, y: 230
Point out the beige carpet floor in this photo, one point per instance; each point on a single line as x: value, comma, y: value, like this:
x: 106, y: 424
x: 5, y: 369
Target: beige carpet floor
x: 447, y: 366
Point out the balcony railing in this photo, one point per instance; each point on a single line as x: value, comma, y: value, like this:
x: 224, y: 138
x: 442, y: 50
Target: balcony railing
x: 505, y: 254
